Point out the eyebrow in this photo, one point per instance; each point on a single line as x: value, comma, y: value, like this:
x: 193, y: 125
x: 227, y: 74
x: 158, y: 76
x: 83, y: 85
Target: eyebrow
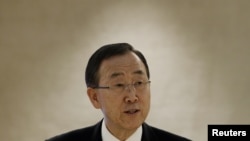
x: 140, y: 72
x: 116, y: 74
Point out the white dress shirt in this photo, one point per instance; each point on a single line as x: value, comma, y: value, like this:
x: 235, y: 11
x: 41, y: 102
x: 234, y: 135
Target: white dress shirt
x: 107, y: 136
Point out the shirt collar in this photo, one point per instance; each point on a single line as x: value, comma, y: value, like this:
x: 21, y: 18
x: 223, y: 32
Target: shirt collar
x: 107, y: 136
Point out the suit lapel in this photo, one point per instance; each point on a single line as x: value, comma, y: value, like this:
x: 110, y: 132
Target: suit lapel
x: 97, y: 135
x: 147, y: 133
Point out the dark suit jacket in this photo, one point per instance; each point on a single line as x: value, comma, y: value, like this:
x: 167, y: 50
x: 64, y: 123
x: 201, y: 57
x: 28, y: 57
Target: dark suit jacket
x: 93, y: 133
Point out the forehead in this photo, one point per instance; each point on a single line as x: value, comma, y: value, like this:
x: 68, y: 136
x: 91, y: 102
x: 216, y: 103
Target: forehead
x: 120, y: 65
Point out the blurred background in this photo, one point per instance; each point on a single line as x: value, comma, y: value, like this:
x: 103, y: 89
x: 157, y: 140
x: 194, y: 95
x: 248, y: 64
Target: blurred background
x: 197, y: 50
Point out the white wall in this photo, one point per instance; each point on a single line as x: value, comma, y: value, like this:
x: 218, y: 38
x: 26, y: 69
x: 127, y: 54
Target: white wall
x: 198, y: 52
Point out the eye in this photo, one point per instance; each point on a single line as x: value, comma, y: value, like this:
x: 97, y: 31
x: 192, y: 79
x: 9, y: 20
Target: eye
x: 138, y: 83
x: 119, y: 85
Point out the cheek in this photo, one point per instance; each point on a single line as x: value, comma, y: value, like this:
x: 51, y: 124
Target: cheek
x: 112, y: 108
x: 146, y: 97
x: 110, y: 103
x: 146, y: 101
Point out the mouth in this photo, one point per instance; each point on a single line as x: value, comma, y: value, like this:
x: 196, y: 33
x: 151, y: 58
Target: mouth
x: 132, y: 111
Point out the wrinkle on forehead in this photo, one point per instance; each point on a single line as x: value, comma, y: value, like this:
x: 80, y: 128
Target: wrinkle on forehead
x: 122, y: 65
x: 117, y: 74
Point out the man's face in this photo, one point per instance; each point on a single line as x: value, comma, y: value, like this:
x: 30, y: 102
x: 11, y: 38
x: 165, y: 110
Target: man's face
x: 127, y: 109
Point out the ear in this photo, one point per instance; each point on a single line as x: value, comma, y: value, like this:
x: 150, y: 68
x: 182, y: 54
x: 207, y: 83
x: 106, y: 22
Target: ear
x: 93, y: 97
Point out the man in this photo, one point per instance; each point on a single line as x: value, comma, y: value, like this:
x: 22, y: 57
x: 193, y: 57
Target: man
x: 117, y: 78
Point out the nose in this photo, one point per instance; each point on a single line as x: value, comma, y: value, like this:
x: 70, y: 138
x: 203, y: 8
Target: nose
x: 131, y: 96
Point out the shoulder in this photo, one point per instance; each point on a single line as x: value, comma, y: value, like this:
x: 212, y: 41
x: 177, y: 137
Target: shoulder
x: 159, y: 134
x: 89, y: 133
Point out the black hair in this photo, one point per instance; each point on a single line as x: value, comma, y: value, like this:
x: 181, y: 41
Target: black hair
x: 105, y: 52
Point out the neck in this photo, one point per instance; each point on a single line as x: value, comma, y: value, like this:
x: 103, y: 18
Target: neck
x: 121, y: 134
